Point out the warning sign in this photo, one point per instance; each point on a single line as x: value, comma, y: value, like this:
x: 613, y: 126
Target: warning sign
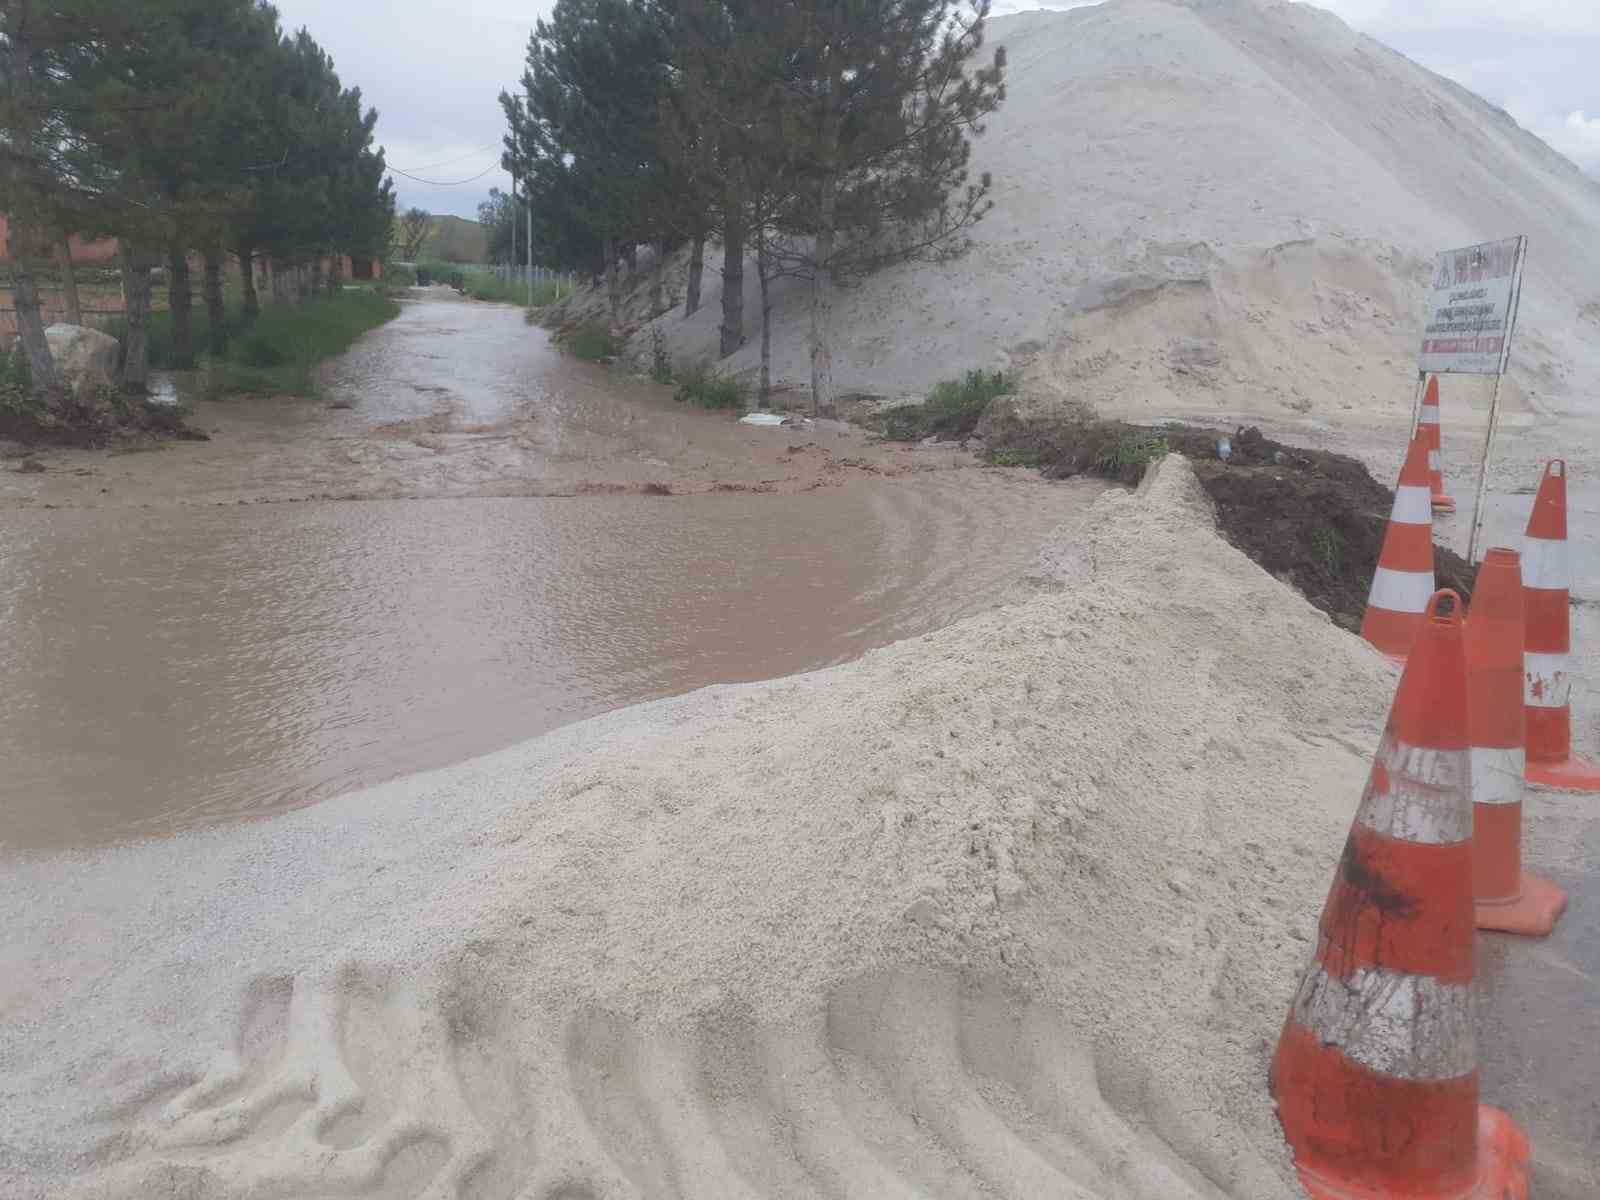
x: 1472, y: 308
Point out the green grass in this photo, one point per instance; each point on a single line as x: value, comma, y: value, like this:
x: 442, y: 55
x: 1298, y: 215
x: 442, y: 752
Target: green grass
x: 280, y: 351
x: 486, y: 285
x: 951, y: 410
x: 704, y: 388
x: 1327, y: 545
x: 1135, y: 449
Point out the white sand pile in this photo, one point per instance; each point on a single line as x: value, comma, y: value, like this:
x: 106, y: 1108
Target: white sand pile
x: 1011, y: 909
x: 1216, y: 207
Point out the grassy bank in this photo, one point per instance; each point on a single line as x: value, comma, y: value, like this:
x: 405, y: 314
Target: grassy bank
x: 486, y: 285
x: 279, y: 352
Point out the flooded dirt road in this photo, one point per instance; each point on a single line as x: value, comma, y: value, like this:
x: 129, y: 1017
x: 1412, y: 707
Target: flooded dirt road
x: 198, y: 660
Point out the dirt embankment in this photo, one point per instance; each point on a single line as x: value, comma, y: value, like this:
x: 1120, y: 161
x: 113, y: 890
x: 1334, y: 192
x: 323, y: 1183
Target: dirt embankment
x: 1312, y: 518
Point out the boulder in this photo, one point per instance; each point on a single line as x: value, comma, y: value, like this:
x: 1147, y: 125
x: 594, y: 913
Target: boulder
x: 86, y: 358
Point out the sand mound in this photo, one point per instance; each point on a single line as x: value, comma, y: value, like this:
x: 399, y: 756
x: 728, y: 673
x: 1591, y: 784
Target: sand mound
x: 1015, y: 908
x: 1215, y: 207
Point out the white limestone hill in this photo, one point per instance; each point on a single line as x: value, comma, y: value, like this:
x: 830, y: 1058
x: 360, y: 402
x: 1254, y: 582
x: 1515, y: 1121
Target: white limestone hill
x: 1215, y: 207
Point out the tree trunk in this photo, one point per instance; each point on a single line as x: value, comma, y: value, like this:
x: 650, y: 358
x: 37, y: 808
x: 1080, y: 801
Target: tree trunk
x: 822, y: 301
x: 26, y: 242
x: 279, y: 272
x: 247, y: 279
x: 631, y: 253
x: 216, y: 310
x: 25, y: 299
x: 69, y: 283
x: 136, y: 290
x: 336, y: 275
x: 732, y: 285
x: 613, y: 284
x: 180, y: 300
x: 764, y: 273
x: 697, y: 266
x: 657, y: 271
x: 316, y: 277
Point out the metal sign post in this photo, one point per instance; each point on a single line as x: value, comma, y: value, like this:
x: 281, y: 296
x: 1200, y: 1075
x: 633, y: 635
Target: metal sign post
x: 1494, y: 408
x: 1472, y: 315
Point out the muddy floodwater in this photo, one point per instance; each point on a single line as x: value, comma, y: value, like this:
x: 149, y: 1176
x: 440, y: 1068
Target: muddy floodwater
x: 181, y: 664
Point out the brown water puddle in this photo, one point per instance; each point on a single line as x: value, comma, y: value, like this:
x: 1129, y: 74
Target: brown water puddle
x: 181, y: 647
x: 168, y: 669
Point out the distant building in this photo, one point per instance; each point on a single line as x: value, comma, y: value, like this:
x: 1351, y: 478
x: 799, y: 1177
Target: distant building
x: 95, y: 253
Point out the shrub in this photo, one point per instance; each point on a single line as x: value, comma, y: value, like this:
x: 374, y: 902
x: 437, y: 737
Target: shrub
x: 705, y: 388
x: 259, y: 350
x: 952, y: 409
x: 592, y: 342
x: 429, y: 273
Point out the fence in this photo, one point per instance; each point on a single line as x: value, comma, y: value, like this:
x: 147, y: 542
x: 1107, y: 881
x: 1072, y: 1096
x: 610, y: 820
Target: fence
x: 563, y: 283
x: 98, y: 310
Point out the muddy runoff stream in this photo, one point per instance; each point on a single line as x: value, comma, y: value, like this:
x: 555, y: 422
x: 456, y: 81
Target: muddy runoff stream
x: 179, y: 653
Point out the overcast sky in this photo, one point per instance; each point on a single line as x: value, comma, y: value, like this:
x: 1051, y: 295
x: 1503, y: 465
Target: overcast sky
x: 434, y: 67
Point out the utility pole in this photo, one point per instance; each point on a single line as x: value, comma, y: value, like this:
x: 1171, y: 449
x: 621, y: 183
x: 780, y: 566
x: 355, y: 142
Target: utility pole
x: 529, y: 207
x: 513, y: 226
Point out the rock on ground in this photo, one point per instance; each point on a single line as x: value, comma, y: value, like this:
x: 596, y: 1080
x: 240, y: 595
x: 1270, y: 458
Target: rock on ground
x: 86, y: 358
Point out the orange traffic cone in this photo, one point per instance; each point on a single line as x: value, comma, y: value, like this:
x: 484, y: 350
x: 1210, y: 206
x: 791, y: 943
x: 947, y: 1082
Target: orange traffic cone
x: 1376, y: 1073
x: 1404, y: 579
x: 1507, y: 899
x: 1428, y: 427
x: 1547, y: 694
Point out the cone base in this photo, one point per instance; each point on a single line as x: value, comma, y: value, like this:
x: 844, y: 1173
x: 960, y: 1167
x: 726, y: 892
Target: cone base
x: 1533, y: 913
x: 1571, y: 774
x: 1502, y: 1169
x: 1443, y: 503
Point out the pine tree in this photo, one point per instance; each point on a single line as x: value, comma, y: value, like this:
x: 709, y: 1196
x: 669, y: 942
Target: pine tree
x: 883, y: 106
x: 584, y: 131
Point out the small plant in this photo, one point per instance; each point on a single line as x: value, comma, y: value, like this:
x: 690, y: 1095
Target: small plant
x: 1327, y: 544
x: 660, y: 360
x: 592, y: 342
x: 951, y: 410
x: 705, y: 388
x: 1132, y: 453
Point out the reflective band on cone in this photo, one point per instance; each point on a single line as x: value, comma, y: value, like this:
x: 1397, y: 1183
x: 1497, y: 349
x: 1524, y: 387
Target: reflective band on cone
x: 1404, y: 579
x: 1428, y: 428
x: 1547, y: 683
x: 1507, y: 899
x: 1375, y: 1075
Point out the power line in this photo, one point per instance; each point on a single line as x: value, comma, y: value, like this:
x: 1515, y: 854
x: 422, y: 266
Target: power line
x: 447, y: 182
x: 446, y: 162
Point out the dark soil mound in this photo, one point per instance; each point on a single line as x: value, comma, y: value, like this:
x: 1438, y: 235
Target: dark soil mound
x: 1314, y: 519
x: 69, y: 423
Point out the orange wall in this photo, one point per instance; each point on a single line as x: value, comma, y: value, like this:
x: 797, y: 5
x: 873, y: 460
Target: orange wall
x: 101, y: 250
